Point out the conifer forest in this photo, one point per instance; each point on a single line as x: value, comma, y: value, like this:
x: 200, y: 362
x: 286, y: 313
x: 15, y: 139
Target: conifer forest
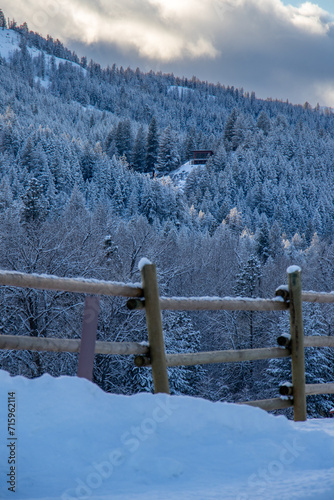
x: 87, y: 156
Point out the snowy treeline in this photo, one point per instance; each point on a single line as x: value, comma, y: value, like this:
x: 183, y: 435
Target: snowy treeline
x: 78, y: 147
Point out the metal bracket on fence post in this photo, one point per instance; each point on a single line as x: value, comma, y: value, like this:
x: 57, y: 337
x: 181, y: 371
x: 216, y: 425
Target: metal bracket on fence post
x: 297, y: 343
x: 284, y: 340
x: 154, y: 326
x: 88, y: 337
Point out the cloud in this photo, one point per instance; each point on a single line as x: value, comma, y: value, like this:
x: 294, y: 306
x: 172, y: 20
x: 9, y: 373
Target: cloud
x: 156, y: 30
x: 263, y: 45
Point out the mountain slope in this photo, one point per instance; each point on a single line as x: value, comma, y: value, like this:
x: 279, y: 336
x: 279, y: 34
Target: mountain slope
x: 81, y: 168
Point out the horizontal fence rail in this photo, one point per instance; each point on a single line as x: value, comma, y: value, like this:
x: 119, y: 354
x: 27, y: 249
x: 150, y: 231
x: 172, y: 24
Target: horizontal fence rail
x: 312, y: 389
x: 224, y: 303
x: 320, y: 297
x: 19, y: 342
x: 319, y: 341
x: 228, y: 356
x: 270, y: 404
x: 79, y: 285
x: 146, y: 297
x: 110, y: 288
x: 23, y: 342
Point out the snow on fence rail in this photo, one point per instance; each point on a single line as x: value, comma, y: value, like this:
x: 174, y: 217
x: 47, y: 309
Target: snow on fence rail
x: 320, y: 297
x: 146, y: 297
x: 217, y: 303
x: 19, y: 343
x: 79, y: 285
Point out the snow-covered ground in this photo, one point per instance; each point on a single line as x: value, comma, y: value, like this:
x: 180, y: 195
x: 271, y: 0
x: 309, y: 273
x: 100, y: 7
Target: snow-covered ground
x: 181, y: 90
x: 73, y: 441
x: 179, y: 176
x: 9, y: 42
x: 184, y: 91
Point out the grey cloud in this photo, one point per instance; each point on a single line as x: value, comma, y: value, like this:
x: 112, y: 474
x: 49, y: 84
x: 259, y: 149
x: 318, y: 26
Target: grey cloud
x: 262, y: 45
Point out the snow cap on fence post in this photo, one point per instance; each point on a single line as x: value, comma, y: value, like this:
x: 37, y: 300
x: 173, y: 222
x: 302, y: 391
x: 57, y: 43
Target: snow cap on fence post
x: 143, y: 262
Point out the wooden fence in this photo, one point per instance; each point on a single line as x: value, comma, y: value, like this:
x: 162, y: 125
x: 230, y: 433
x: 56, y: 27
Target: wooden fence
x: 288, y: 297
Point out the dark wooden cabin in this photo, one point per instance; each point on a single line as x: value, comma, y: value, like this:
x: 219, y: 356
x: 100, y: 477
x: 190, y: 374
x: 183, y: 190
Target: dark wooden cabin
x: 201, y: 156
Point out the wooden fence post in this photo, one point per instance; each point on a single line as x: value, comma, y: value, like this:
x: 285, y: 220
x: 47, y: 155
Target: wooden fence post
x: 297, y: 343
x: 88, y: 337
x: 154, y: 326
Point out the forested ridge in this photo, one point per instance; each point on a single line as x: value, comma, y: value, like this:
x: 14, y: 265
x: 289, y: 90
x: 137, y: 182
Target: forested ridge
x: 85, y: 158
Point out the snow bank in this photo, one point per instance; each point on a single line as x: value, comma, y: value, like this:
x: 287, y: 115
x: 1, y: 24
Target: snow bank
x: 76, y: 442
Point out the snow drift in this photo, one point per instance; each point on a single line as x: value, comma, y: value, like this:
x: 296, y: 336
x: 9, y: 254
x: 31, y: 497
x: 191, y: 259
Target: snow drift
x: 76, y: 442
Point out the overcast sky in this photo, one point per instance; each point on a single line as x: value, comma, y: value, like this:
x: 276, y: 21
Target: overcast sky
x: 279, y: 49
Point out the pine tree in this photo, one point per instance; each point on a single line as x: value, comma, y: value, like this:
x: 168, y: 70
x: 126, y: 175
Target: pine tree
x: 6, y: 195
x: 275, y: 240
x: 190, y: 144
x: 239, y: 132
x: 132, y: 205
x: 123, y: 138
x: 139, y: 152
x: 248, y: 285
x: 152, y: 146
x: 168, y: 157
x: 110, y: 143
x: 262, y: 239
x: 26, y: 154
x: 42, y: 64
x: 87, y: 163
x: 118, y: 201
x: 3, y: 22
x: 229, y: 129
x: 35, y: 206
x: 263, y: 122
x: 248, y: 278
x: 218, y: 161
x: 148, y: 203
x: 180, y: 337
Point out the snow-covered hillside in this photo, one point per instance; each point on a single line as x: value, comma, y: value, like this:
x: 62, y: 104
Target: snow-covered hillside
x: 66, y: 439
x: 10, y: 41
x: 179, y: 176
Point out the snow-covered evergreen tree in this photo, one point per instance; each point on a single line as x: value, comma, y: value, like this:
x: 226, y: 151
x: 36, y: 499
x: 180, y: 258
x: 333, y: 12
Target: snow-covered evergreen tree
x: 263, y: 239
x: 152, y: 146
x: 123, y: 138
x: 139, y: 151
x: 3, y: 22
x: 35, y: 206
x: 168, y: 156
x: 180, y: 337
